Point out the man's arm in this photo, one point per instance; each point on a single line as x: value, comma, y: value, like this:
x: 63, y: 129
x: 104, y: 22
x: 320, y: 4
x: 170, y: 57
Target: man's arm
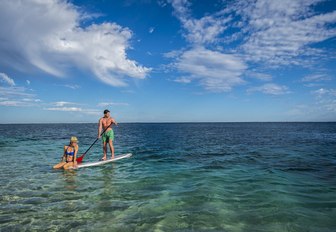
x: 114, y: 122
x: 100, y: 127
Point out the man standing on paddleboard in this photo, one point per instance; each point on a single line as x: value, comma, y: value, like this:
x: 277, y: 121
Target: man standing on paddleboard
x: 108, y: 136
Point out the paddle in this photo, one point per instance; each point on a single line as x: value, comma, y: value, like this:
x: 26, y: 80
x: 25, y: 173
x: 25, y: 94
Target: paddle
x: 80, y: 159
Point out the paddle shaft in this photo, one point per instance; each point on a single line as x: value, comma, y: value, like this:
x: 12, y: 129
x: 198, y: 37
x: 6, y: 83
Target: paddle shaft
x: 91, y: 146
x: 79, y: 159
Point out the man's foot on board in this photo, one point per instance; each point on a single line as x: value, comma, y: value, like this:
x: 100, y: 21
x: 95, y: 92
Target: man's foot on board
x: 103, y: 159
x: 112, y: 157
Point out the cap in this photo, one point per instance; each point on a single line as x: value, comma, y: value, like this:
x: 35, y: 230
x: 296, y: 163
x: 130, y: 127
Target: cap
x: 106, y: 111
x: 74, y: 139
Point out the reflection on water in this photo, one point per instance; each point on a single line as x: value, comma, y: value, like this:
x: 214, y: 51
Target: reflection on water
x: 69, y: 177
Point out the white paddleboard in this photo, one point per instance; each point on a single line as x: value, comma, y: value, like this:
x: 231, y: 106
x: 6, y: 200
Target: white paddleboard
x: 84, y: 165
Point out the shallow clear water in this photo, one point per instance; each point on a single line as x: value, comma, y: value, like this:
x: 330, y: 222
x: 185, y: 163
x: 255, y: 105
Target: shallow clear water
x: 182, y: 177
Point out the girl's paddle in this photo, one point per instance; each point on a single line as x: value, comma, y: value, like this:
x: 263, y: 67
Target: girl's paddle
x: 80, y: 159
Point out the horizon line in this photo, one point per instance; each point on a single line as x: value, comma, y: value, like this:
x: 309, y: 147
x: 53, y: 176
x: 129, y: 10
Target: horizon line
x: 166, y: 122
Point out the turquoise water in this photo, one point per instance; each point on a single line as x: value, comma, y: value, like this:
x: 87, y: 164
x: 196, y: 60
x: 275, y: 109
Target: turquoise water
x: 182, y: 177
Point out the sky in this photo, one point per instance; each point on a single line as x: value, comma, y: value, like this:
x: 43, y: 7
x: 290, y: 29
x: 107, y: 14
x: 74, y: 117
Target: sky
x: 167, y: 60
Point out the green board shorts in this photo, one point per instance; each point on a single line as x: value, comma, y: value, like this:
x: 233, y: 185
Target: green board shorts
x: 108, y: 135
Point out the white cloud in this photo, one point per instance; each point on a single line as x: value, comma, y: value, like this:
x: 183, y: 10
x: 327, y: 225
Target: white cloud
x: 299, y: 110
x: 323, y: 92
x: 331, y: 106
x: 65, y: 106
x: 10, y: 103
x: 63, y: 103
x: 4, y: 78
x: 15, y: 91
x: 28, y: 82
x: 216, y: 71
x: 185, y: 80
x: 320, y: 92
x: 259, y: 76
x: 162, y: 3
x: 106, y: 104
x: 326, y: 99
x: 17, y: 96
x: 31, y: 100
x: 279, y: 32
x: 173, y: 54
x: 18, y: 100
x: 72, y: 86
x: 151, y: 30
x: 47, y: 35
x: 199, y: 31
x: 315, y: 78
x: 71, y: 109
x: 268, y: 33
x: 271, y: 89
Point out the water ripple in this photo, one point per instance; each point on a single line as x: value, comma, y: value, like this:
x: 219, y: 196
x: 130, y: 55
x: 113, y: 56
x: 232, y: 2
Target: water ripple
x: 181, y: 177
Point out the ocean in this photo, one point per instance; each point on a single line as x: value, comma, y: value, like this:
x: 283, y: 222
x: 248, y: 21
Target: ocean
x: 181, y: 177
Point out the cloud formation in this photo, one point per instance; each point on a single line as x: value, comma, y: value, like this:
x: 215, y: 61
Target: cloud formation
x: 71, y: 109
x: 216, y: 71
x: 280, y: 31
x: 13, y: 95
x: 326, y: 99
x: 199, y: 31
x: 252, y: 32
x: 64, y: 106
x: 270, y: 88
x: 107, y: 104
x: 48, y: 35
x: 316, y: 78
x: 6, y: 79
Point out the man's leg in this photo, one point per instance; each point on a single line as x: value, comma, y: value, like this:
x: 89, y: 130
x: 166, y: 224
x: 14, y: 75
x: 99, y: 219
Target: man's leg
x: 111, y: 148
x: 104, y: 150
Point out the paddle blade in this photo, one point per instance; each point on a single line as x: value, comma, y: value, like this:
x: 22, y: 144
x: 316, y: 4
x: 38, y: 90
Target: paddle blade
x: 80, y: 159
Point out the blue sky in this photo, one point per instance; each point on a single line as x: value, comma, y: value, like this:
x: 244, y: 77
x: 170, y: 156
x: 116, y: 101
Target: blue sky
x: 167, y: 61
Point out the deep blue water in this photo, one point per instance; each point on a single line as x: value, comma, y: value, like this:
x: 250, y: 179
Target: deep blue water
x: 181, y: 177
